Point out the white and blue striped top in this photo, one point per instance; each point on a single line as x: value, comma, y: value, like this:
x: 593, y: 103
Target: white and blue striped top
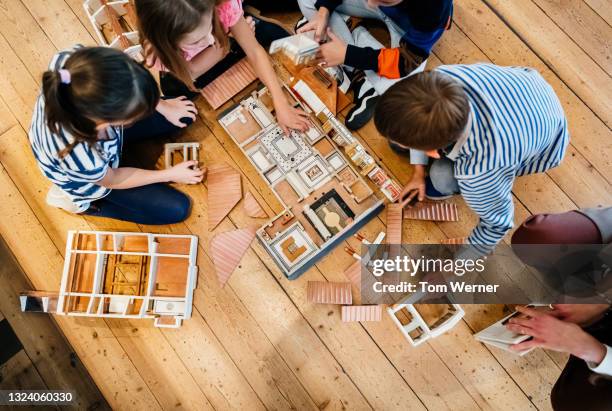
x: 518, y: 127
x: 78, y: 172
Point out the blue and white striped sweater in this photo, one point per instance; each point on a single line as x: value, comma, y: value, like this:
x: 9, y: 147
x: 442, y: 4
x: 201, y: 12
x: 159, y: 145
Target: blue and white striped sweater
x: 518, y: 128
x: 78, y: 172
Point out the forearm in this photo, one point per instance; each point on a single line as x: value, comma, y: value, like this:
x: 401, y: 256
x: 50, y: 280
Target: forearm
x: 127, y: 177
x: 265, y: 71
x: 206, y: 60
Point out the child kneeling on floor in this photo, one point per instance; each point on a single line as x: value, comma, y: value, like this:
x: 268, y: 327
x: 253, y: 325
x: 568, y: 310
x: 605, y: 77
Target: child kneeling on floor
x: 94, y: 100
x: 484, y: 125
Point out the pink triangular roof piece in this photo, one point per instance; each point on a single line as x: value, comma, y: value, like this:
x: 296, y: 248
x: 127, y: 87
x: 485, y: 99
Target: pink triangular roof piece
x: 227, y: 250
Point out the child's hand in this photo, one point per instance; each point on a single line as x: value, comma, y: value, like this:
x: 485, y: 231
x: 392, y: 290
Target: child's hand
x: 333, y: 52
x: 176, y: 109
x: 318, y: 24
x: 415, y: 187
x: 291, y: 118
x: 186, y: 172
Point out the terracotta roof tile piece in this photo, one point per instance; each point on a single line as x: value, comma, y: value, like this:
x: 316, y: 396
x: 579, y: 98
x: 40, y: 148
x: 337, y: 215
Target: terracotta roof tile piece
x: 437, y: 211
x: 353, y: 273
x: 228, y: 84
x: 361, y: 313
x: 322, y: 292
x: 252, y: 207
x: 224, y: 192
x: 227, y: 250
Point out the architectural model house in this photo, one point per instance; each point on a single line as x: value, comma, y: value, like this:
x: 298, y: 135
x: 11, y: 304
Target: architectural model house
x: 115, y: 24
x: 420, y: 322
x: 124, y: 275
x: 329, y: 185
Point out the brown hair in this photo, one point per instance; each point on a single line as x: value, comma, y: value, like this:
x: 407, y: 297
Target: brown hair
x: 105, y: 85
x: 426, y: 111
x: 163, y: 23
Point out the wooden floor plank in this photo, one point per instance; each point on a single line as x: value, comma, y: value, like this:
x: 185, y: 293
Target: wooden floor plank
x: 583, y: 26
x: 602, y: 8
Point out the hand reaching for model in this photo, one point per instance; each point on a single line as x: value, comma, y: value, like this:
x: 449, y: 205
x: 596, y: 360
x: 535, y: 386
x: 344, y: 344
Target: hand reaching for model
x: 319, y: 24
x: 186, y: 172
x: 176, y: 110
x: 291, y: 118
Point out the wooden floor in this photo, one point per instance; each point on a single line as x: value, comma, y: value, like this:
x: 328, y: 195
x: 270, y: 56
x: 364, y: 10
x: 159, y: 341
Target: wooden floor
x: 257, y: 343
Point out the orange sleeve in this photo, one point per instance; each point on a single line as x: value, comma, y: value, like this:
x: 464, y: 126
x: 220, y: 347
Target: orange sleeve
x: 388, y: 63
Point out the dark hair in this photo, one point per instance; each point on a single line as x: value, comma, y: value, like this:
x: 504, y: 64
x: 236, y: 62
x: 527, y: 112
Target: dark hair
x: 426, y: 111
x: 106, y: 85
x: 164, y: 23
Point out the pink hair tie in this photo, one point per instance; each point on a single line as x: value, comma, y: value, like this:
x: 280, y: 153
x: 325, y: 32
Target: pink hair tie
x: 65, y: 76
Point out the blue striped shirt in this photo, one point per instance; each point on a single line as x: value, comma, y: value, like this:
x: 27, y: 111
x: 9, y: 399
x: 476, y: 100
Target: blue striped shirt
x: 518, y: 128
x: 78, y: 172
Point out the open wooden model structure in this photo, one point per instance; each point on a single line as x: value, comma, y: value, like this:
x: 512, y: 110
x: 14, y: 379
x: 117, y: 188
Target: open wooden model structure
x: 420, y: 322
x: 124, y: 275
x: 326, y: 181
x: 115, y: 23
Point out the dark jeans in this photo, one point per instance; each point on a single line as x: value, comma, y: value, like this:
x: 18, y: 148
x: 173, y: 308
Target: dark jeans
x: 154, y: 204
x: 265, y: 33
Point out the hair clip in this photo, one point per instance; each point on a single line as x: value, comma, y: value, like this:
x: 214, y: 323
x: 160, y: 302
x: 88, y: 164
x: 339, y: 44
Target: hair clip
x: 65, y: 76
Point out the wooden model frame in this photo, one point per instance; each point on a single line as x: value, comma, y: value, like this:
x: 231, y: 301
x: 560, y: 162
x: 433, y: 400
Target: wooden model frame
x: 324, y: 192
x: 115, y: 28
x: 189, y: 151
x: 129, y: 275
x: 418, y: 324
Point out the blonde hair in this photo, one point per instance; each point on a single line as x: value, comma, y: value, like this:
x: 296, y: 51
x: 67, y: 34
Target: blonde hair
x: 163, y: 23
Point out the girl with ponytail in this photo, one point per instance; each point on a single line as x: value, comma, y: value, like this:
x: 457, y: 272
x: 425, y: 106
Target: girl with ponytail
x: 93, y: 101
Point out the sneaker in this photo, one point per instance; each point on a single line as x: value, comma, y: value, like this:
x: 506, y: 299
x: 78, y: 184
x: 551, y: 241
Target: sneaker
x: 56, y: 197
x: 300, y: 23
x: 432, y: 194
x: 342, y: 77
x: 365, y: 99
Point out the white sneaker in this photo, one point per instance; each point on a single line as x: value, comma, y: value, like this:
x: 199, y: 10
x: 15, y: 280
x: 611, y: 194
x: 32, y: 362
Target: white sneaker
x: 56, y: 197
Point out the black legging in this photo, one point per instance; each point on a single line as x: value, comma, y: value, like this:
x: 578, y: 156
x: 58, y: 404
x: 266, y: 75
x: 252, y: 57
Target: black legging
x: 153, y: 204
x: 265, y: 33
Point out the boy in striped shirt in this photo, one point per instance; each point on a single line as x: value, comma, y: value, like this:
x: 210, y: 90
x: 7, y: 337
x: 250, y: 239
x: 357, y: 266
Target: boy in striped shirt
x: 484, y: 125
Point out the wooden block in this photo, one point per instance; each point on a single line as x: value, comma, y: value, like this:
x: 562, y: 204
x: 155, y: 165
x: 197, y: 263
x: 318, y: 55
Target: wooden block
x: 322, y: 292
x: 438, y: 211
x: 394, y: 223
x: 353, y: 273
x: 252, y: 207
x: 361, y: 313
x: 227, y: 250
x: 228, y: 84
x: 224, y: 192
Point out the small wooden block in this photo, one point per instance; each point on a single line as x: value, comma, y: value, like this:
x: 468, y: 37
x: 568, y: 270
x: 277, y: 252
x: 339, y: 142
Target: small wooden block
x: 437, y: 211
x: 353, y: 273
x: 227, y: 250
x: 252, y: 207
x: 224, y: 192
x: 352, y: 313
x: 322, y: 292
x: 228, y: 84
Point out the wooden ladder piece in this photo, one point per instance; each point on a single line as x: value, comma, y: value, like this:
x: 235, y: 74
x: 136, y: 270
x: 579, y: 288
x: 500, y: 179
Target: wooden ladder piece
x: 227, y: 250
x: 252, y: 207
x: 352, y: 313
x: 228, y: 84
x: 323, y: 292
x: 224, y: 192
x: 438, y: 211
